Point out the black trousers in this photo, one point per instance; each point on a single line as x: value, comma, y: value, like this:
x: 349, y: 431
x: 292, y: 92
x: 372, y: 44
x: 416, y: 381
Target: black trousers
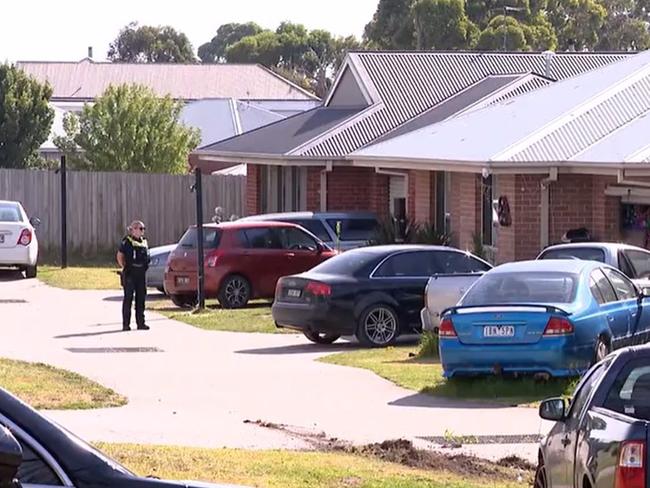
x: 134, y: 283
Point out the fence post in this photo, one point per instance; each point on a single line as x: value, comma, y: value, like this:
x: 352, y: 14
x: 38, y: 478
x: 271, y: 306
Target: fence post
x: 199, y: 239
x: 64, y: 215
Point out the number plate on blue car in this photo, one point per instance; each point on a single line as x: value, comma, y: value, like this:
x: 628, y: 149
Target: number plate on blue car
x: 498, y: 331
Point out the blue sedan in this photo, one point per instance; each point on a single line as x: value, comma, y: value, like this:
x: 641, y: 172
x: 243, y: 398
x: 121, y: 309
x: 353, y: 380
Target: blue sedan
x: 552, y: 316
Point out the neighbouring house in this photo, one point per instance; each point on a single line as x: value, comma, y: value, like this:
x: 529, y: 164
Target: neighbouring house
x: 575, y: 154
x: 309, y: 161
x: 222, y: 99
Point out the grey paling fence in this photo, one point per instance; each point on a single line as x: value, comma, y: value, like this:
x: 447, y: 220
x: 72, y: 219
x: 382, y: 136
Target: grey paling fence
x: 100, y: 205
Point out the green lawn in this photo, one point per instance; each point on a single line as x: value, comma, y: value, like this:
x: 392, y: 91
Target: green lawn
x: 425, y: 375
x: 80, y: 278
x: 254, y: 318
x: 291, y: 469
x: 46, y: 387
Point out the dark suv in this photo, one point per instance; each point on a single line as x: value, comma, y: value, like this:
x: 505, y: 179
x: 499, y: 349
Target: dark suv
x: 243, y: 260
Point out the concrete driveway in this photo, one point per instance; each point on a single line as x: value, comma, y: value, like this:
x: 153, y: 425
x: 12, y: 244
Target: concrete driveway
x: 192, y: 387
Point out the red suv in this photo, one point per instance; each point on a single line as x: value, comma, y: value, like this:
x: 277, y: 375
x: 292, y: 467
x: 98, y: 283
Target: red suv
x: 242, y: 261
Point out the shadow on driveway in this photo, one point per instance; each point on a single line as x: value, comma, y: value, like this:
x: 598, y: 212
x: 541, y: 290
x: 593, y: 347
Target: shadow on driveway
x: 11, y: 275
x: 151, y: 297
x: 422, y: 400
x: 103, y: 332
x: 307, y: 348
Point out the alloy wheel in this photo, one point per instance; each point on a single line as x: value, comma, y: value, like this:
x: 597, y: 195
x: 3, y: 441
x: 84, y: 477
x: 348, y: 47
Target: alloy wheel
x: 236, y: 292
x: 381, y: 325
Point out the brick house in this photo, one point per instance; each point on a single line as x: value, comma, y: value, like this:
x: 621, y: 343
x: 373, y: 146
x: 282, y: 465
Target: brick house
x: 316, y: 160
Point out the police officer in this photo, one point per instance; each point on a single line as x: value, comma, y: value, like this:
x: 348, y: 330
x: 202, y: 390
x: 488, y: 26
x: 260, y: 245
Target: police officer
x: 133, y: 258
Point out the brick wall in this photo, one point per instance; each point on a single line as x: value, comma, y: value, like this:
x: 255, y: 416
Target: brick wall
x: 506, y: 236
x: 462, y: 207
x: 357, y: 189
x: 419, y: 195
x: 313, y: 188
x: 526, y: 206
x: 252, y: 189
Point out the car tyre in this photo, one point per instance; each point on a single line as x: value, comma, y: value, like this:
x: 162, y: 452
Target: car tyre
x: 31, y: 272
x: 541, y: 480
x: 378, y: 326
x: 602, y: 349
x: 235, y: 292
x: 184, y: 301
x: 321, y: 337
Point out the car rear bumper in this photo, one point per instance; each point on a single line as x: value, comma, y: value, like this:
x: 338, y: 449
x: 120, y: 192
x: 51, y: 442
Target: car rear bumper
x: 18, y: 256
x: 428, y: 324
x: 321, y: 317
x: 557, y: 356
x: 185, y: 283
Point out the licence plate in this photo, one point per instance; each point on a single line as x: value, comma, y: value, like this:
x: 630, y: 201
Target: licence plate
x: 499, y: 331
x: 294, y: 293
x: 182, y: 280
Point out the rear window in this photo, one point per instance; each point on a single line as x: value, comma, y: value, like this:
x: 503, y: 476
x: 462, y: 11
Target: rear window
x: 211, y: 238
x: 630, y: 394
x: 522, y: 287
x: 355, y: 229
x: 351, y: 263
x: 9, y: 212
x: 583, y: 253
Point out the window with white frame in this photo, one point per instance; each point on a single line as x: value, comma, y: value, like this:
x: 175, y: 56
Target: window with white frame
x: 283, y: 189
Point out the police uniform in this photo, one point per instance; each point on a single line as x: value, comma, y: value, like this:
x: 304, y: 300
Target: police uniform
x: 134, y: 279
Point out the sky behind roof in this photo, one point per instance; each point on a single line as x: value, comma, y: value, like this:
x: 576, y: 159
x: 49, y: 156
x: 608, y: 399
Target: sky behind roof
x: 62, y: 30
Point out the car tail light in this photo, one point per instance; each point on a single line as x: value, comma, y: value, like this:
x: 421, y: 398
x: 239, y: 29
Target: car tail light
x: 212, y: 261
x: 446, y: 328
x: 318, y: 289
x: 558, y: 326
x: 25, y: 237
x: 630, y: 472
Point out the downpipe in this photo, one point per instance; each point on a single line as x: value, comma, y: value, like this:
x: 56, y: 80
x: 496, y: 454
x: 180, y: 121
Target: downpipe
x: 545, y: 206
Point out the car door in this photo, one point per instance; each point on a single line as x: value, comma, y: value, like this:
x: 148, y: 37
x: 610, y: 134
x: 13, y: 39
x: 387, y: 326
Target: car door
x: 560, y: 443
x: 404, y: 276
x: 639, y: 263
x: 265, y: 258
x: 628, y: 298
x: 616, y: 312
x: 302, y: 250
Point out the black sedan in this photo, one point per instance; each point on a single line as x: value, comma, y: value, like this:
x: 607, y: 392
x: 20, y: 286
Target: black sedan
x: 38, y: 452
x: 374, y: 293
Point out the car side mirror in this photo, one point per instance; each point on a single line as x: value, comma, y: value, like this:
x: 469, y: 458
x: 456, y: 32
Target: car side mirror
x: 35, y: 221
x: 11, y: 456
x: 553, y: 409
x: 644, y: 292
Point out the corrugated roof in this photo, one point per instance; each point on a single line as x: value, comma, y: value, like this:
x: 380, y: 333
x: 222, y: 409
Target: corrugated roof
x: 594, y: 117
x: 87, y: 80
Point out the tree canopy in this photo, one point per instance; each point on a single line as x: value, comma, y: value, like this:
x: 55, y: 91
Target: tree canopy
x: 148, y: 44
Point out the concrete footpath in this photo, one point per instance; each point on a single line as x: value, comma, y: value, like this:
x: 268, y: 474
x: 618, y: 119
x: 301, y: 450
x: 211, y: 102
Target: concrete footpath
x: 192, y: 387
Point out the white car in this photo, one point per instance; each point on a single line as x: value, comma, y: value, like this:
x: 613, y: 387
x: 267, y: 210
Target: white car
x: 18, y: 243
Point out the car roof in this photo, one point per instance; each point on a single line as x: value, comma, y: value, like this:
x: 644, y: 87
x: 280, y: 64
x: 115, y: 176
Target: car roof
x: 613, y: 246
x: 393, y: 248
x: 246, y: 225
x: 574, y: 266
x: 311, y: 215
x: 10, y: 201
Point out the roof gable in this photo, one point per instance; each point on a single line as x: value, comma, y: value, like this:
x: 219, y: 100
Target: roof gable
x: 347, y: 92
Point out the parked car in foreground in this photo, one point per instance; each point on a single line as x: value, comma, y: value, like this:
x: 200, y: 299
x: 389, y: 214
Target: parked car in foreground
x: 631, y: 260
x: 18, y: 243
x: 600, y: 439
x: 446, y: 287
x: 375, y: 293
x: 157, y: 265
x: 547, y: 316
x: 37, y: 452
x: 243, y: 260
x: 357, y: 228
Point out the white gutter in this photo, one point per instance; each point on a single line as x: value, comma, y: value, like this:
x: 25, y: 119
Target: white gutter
x: 620, y: 177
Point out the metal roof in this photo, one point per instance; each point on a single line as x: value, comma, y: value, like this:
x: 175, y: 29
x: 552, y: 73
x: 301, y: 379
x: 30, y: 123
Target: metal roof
x: 590, y: 118
x: 403, y: 86
x: 87, y: 80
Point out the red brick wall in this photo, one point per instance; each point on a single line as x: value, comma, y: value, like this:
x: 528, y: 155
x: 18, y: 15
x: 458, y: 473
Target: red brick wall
x: 462, y: 207
x: 252, y: 189
x: 313, y: 188
x: 419, y: 195
x: 526, y: 207
x: 357, y: 189
x: 506, y: 236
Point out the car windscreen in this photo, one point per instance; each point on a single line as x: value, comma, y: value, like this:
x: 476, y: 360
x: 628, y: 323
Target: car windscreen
x: 211, y: 238
x: 583, y: 253
x: 630, y: 393
x: 522, y: 287
x: 350, y: 263
x: 357, y: 229
x: 9, y: 212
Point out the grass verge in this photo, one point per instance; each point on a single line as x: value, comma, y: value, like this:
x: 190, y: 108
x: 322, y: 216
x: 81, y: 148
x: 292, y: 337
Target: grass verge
x: 402, y: 366
x: 46, y: 387
x: 254, y: 318
x: 80, y: 278
x: 291, y: 469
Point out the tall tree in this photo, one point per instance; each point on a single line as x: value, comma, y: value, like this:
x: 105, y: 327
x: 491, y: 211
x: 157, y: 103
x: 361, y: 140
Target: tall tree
x: 577, y: 23
x: 129, y: 128
x: 293, y: 40
x: 261, y: 48
x: 227, y: 35
x: 25, y: 117
x: 625, y: 27
x: 500, y: 31
x: 392, y: 26
x: 148, y: 44
x: 443, y: 25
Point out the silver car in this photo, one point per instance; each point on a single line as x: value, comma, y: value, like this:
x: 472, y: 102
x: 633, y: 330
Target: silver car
x: 156, y: 272
x: 457, y: 273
